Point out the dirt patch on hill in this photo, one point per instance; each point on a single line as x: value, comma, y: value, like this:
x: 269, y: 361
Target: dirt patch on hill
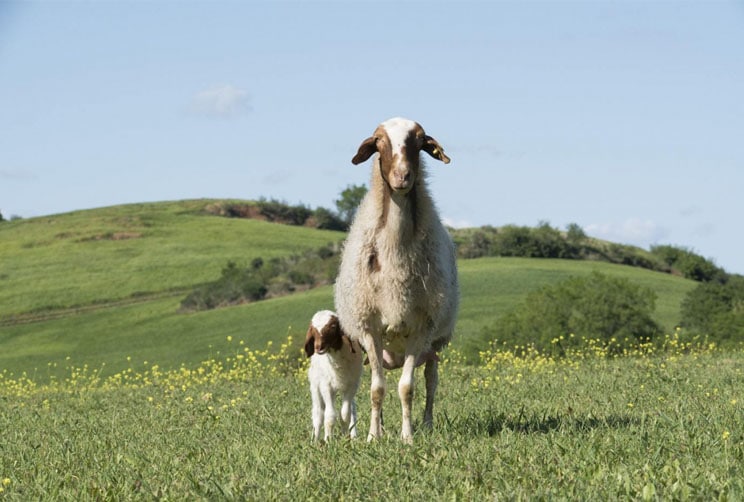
x: 111, y: 236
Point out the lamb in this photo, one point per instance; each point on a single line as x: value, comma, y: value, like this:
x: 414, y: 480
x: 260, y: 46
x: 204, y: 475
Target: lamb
x: 397, y: 292
x: 335, y: 367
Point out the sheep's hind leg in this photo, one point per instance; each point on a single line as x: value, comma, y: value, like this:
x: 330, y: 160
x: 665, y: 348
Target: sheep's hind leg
x: 431, y: 375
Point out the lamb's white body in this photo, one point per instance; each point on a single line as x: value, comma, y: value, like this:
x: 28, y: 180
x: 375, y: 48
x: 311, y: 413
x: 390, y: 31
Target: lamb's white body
x: 397, y: 291
x: 335, y: 369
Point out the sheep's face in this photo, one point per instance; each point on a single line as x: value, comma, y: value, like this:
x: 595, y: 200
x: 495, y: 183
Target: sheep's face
x: 323, y: 334
x: 398, y: 141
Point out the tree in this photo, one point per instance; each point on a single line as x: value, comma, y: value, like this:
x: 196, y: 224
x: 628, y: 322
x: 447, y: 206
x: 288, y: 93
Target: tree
x: 350, y: 199
x: 574, y: 233
x: 1, y: 217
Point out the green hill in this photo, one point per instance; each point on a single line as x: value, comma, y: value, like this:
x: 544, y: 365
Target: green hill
x: 101, y: 286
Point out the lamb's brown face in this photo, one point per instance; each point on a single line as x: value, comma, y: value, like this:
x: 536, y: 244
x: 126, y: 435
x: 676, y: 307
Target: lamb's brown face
x: 399, y: 141
x: 323, y: 334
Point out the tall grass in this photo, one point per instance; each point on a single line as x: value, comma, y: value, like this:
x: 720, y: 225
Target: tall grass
x: 663, y: 424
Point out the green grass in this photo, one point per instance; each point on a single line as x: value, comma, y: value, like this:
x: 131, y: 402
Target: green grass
x: 665, y: 426
x: 117, y: 396
x: 104, y: 255
x: 99, y: 301
x: 154, y: 331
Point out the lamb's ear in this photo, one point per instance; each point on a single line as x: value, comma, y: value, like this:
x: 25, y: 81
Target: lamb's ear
x: 433, y: 148
x: 310, y: 341
x: 366, y: 150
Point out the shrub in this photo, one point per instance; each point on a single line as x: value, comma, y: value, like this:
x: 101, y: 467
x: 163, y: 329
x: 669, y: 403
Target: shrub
x: 716, y: 310
x: 690, y: 265
x: 479, y: 244
x: 260, y: 279
x: 326, y: 220
x: 581, y: 308
x: 281, y: 212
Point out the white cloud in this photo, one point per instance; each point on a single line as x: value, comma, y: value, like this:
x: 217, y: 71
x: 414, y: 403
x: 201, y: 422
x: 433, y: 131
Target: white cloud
x: 449, y: 222
x: 631, y: 231
x: 223, y: 101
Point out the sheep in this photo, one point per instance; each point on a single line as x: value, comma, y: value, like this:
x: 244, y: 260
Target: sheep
x: 335, y: 367
x: 397, y: 291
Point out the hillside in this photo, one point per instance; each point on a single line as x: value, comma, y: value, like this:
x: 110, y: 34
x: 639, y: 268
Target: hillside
x: 125, y: 253
x: 104, y: 285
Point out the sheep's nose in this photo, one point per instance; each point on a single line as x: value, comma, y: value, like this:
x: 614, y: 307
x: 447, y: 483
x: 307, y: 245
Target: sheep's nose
x: 403, y: 177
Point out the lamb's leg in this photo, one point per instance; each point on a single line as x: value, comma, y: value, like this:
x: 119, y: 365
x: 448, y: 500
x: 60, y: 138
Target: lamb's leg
x: 377, y: 388
x: 317, y: 412
x: 431, y: 375
x: 348, y: 415
x: 329, y: 417
x: 405, y: 391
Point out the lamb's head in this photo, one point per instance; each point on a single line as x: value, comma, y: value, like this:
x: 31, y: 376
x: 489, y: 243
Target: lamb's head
x: 324, y: 334
x: 399, y: 141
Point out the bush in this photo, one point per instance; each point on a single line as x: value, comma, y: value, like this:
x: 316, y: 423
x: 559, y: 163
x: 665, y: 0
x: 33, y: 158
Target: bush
x: 260, y: 279
x: 581, y: 308
x: 281, y: 212
x: 716, y: 310
x: 690, y: 265
x: 326, y: 220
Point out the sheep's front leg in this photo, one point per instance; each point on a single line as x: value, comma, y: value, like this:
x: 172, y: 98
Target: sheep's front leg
x: 431, y: 375
x: 377, y: 388
x: 405, y: 391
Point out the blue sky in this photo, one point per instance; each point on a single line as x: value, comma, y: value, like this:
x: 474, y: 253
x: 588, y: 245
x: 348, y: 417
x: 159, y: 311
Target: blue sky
x: 624, y: 117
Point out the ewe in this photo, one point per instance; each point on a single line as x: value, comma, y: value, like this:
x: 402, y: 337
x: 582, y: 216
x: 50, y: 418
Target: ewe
x: 396, y: 292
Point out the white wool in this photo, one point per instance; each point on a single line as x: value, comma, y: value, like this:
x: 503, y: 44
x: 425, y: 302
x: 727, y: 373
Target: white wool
x: 397, y: 289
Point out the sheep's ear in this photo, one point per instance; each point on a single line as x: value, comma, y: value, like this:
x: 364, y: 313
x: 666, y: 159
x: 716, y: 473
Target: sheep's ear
x: 344, y: 335
x: 433, y: 148
x: 366, y: 150
x: 310, y: 342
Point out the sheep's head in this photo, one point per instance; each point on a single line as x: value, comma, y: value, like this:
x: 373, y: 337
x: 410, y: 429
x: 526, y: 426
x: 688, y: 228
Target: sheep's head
x: 399, y: 141
x: 323, y: 334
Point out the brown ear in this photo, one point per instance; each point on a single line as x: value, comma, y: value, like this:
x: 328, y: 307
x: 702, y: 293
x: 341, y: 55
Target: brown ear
x: 366, y: 150
x: 351, y: 344
x: 310, y: 341
x: 433, y: 148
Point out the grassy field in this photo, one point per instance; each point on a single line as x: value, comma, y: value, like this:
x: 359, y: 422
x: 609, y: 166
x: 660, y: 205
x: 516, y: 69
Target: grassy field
x: 108, y: 392
x: 154, y: 331
x: 112, y: 254
x: 104, y: 285
x: 661, y: 426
